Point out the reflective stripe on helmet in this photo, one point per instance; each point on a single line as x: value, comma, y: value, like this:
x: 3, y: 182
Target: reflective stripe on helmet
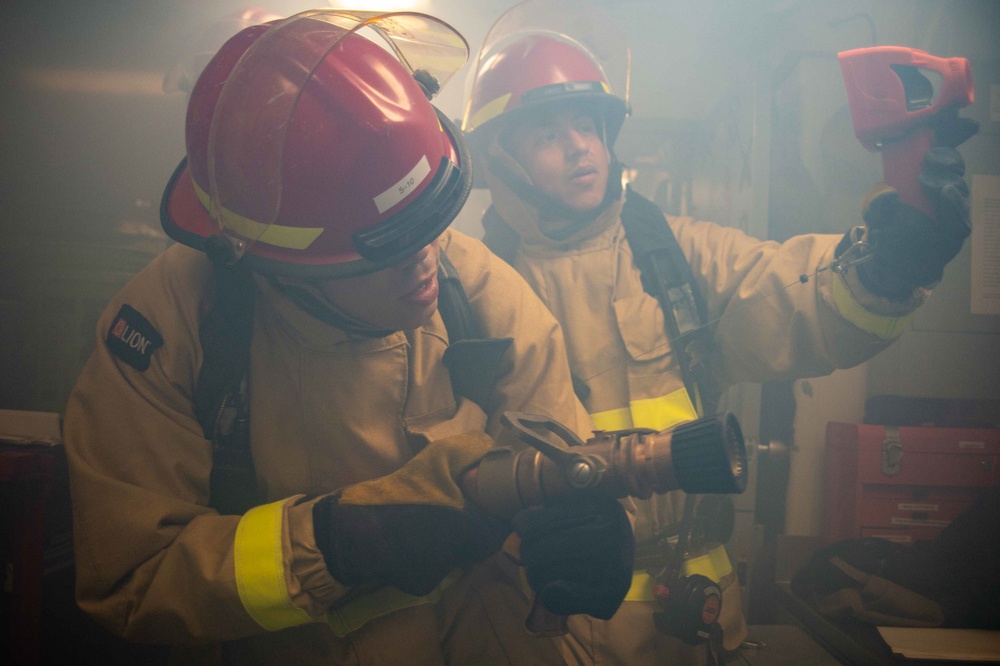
x: 489, y: 111
x: 292, y: 238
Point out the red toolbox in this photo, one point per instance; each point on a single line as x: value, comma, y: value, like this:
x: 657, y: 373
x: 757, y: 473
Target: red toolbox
x: 904, y: 483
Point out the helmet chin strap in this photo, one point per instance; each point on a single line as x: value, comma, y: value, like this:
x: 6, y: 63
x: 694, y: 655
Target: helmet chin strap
x: 551, y: 208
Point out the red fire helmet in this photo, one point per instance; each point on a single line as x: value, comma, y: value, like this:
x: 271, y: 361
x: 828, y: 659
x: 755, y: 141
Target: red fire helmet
x: 535, y: 70
x: 314, y: 151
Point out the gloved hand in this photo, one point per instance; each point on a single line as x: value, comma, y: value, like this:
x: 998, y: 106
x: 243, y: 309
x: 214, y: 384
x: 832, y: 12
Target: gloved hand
x: 577, y: 555
x: 409, y: 529
x: 910, y: 249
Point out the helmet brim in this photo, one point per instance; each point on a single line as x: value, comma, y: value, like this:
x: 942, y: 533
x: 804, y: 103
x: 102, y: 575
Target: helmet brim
x: 182, y: 216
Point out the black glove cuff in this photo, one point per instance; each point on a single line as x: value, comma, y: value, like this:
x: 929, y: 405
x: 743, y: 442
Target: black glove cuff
x: 342, y: 548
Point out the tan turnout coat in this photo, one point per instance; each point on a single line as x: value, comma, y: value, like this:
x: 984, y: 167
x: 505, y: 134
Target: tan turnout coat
x: 156, y: 564
x: 765, y: 326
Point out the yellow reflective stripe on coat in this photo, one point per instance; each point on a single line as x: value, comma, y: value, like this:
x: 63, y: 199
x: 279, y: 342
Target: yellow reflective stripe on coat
x: 352, y: 616
x: 656, y: 413
x: 714, y: 565
x: 642, y: 587
x: 613, y: 419
x: 887, y: 328
x: 260, y: 569
x: 663, y: 412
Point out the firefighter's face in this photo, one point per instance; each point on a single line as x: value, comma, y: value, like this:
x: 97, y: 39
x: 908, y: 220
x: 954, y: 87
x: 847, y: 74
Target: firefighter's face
x: 563, y: 153
x: 399, y: 298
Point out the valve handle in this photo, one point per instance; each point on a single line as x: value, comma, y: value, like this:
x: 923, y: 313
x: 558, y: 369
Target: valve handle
x: 580, y: 470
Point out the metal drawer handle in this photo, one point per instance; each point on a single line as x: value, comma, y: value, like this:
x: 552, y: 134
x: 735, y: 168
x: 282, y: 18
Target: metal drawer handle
x: 892, y: 451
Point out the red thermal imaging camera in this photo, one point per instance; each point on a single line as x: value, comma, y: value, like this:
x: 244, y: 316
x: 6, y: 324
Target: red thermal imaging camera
x: 893, y: 103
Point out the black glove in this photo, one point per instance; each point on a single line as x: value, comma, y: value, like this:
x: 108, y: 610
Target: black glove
x: 578, y: 555
x: 411, y: 528
x: 910, y: 249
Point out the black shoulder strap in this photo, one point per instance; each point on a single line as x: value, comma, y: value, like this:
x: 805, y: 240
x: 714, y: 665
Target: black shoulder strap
x: 220, y: 398
x: 474, y: 361
x: 453, y: 304
x: 666, y: 275
x: 225, y: 342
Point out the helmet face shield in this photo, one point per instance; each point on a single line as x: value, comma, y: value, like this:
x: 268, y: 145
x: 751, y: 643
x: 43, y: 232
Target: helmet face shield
x: 321, y: 133
x: 543, y: 51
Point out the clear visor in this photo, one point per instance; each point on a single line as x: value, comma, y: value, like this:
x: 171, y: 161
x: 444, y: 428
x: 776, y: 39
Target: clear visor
x: 574, y: 21
x: 258, y: 101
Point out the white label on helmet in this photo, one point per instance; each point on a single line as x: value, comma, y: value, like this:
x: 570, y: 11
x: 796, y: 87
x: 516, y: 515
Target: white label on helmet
x: 400, y: 190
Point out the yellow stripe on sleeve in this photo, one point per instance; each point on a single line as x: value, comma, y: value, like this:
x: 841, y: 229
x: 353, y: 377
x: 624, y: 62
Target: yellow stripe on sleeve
x: 260, y: 569
x: 887, y: 328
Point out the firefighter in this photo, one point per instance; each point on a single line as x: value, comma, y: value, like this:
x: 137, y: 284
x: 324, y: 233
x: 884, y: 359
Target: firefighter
x: 660, y: 313
x: 265, y: 446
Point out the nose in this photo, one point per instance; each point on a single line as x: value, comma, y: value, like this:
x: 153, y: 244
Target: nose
x: 576, y: 143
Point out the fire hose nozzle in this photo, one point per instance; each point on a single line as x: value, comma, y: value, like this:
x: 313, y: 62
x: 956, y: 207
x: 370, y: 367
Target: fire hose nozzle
x: 707, y: 455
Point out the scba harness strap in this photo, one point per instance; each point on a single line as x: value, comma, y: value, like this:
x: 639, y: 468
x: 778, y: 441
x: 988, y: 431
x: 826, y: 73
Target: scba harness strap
x: 221, y: 398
